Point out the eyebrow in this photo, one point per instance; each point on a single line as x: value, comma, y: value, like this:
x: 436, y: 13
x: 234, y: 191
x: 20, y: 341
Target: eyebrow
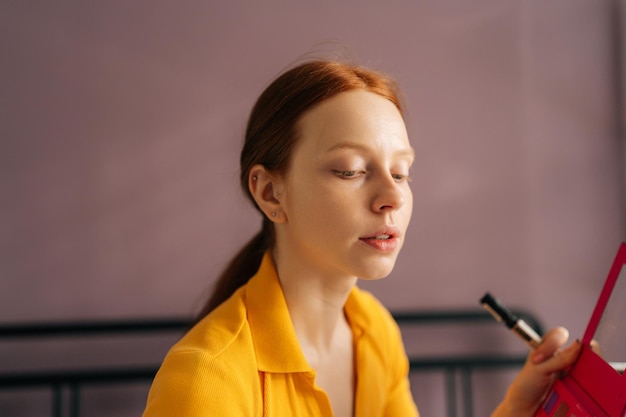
x: 357, y: 146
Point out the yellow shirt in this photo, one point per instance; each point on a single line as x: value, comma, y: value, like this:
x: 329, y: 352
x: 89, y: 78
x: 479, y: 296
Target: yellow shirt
x: 243, y: 360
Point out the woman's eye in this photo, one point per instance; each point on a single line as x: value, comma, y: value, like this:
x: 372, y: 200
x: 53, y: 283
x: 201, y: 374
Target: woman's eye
x: 400, y: 177
x: 346, y: 174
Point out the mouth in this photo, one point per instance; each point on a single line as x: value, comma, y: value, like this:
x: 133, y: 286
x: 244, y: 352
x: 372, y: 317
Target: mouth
x: 380, y: 237
x: 382, y: 241
x: 384, y: 233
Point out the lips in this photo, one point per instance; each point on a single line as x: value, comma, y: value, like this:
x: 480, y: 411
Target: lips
x: 383, y: 241
x: 386, y: 232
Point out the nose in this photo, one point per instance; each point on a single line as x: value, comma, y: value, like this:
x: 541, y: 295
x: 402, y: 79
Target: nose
x: 389, y: 195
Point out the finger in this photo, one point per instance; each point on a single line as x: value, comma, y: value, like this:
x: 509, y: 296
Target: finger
x: 552, y: 342
x: 561, y: 359
x: 595, y: 346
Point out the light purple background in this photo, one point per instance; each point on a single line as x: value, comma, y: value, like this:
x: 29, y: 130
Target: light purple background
x: 121, y: 124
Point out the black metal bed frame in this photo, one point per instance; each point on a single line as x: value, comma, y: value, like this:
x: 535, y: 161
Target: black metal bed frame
x: 71, y: 381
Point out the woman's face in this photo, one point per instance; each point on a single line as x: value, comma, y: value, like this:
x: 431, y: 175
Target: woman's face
x: 346, y: 196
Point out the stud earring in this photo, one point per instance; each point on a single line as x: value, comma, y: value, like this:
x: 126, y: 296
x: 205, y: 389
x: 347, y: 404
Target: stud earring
x: 273, y: 214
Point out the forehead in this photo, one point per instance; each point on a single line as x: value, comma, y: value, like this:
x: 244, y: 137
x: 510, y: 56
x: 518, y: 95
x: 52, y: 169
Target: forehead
x: 357, y: 116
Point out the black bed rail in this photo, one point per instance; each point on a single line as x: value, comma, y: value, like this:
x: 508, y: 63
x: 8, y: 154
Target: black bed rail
x: 92, y: 327
x: 71, y: 381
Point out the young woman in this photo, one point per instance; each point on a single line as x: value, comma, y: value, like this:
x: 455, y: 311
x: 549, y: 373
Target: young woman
x: 287, y: 332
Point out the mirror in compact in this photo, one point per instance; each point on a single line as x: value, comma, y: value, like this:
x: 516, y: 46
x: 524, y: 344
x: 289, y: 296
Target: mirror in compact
x: 596, y: 385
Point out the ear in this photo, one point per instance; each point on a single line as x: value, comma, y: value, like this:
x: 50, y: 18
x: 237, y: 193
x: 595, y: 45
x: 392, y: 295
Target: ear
x: 266, y: 189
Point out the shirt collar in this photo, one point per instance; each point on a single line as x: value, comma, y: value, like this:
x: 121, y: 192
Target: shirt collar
x: 275, y: 342
x: 356, y: 313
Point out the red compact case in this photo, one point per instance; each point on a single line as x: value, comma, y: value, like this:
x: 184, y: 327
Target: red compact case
x: 595, y: 386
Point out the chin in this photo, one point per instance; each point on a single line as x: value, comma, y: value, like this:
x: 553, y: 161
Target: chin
x: 380, y: 270
x: 378, y: 267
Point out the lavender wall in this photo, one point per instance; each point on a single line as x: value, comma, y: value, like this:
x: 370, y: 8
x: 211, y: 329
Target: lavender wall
x: 122, y: 121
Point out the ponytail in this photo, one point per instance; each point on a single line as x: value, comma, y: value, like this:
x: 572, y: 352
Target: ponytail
x: 240, y: 268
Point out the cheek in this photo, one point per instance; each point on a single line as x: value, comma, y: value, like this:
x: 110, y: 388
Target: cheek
x: 317, y: 206
x: 303, y: 201
x: 409, y: 201
x: 408, y: 206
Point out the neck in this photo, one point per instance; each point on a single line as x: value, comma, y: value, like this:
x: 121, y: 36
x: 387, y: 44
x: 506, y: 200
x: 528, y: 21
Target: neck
x: 316, y: 303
